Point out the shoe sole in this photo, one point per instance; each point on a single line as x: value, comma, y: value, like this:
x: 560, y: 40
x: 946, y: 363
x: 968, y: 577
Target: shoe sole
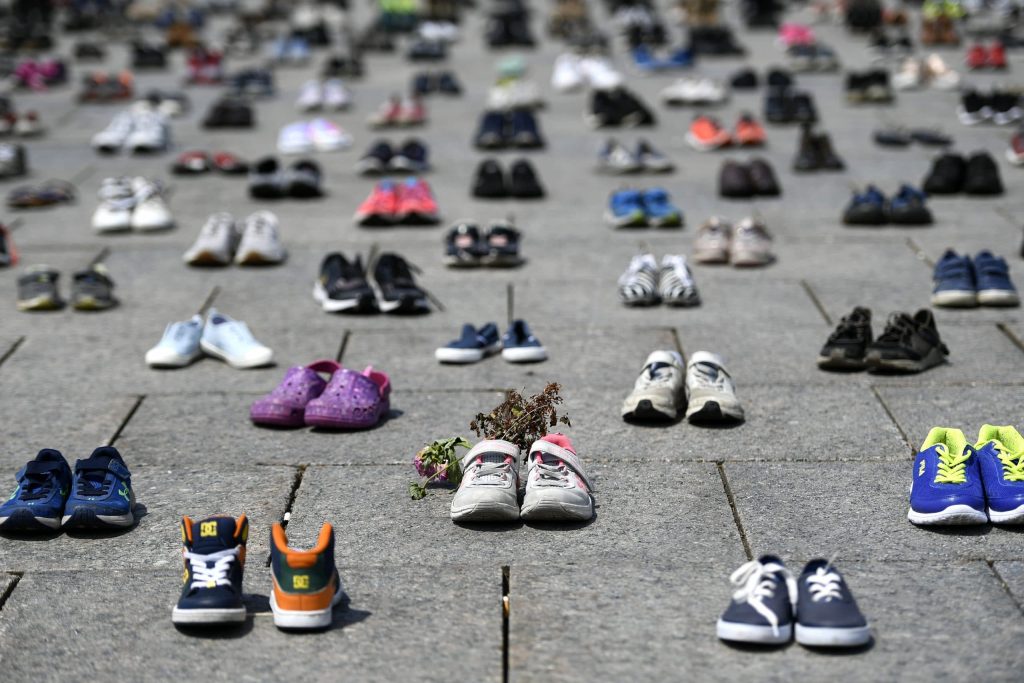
x: 955, y: 298
x: 819, y: 636
x: 634, y: 220
x: 1014, y: 158
x: 212, y: 350
x: 363, y: 304
x: 24, y: 520
x: 1015, y: 516
x: 877, y: 364
x: 753, y: 633
x: 702, y: 146
x: 208, y: 259
x: 255, y: 258
x: 712, y: 411
x: 526, y: 354
x: 998, y: 297
x: 39, y: 303
x: 555, y: 511
x: 208, y: 616
x: 295, y: 620
x: 84, y: 518
x: 486, y: 512
x: 646, y: 410
x: 837, y: 360
x: 954, y: 515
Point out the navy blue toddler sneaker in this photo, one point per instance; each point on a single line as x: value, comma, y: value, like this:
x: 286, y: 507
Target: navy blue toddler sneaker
x: 826, y: 613
x: 101, y: 495
x: 994, y: 285
x: 520, y: 346
x: 474, y: 345
x: 955, y: 284
x: 866, y: 208
x: 907, y: 207
x: 464, y: 246
x: 761, y: 610
x: 214, y: 555
x: 38, y: 502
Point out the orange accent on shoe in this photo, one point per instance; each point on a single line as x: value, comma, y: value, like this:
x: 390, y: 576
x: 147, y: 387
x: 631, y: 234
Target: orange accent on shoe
x: 305, y: 602
x: 301, y: 559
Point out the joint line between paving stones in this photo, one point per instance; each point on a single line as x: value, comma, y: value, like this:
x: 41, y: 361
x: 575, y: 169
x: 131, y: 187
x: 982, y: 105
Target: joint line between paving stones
x: 920, y: 253
x: 342, y: 346
x: 506, y: 573
x: 510, y: 303
x: 1005, y: 329
x: 10, y: 589
x: 885, y: 407
x: 127, y: 418
x: 82, y: 175
x: 300, y: 472
x: 10, y: 352
x: 1002, y: 582
x: 208, y: 301
x: 816, y: 301
x: 720, y: 466
x: 13, y: 224
x: 677, y: 341
x: 100, y: 257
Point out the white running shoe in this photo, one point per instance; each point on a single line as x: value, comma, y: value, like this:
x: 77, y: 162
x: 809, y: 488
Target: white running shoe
x: 489, y: 491
x: 710, y: 391
x: 692, y: 90
x: 567, y: 76
x: 909, y: 76
x: 939, y: 73
x: 117, y: 199
x: 311, y: 97
x: 231, y: 341
x: 150, y: 133
x: 328, y: 137
x: 151, y: 211
x: 215, y: 245
x: 336, y: 95
x: 714, y: 239
x: 295, y: 139
x: 261, y: 243
x: 751, y: 244
x: 179, y: 346
x: 638, y: 286
x: 676, y: 286
x: 600, y: 73
x: 112, y: 138
x: 556, y: 487
x: 658, y: 392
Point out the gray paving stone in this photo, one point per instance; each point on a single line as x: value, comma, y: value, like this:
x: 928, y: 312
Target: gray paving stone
x: 621, y: 622
x: 856, y: 511
x: 394, y: 628
x: 165, y: 494
x: 634, y: 521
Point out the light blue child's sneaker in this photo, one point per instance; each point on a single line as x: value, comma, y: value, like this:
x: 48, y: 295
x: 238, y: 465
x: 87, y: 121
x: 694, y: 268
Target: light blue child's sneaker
x: 179, y: 346
x: 232, y: 342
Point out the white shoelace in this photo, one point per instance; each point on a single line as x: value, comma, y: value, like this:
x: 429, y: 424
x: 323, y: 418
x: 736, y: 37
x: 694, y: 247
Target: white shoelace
x: 204, y: 576
x: 756, y: 582
x: 708, y: 376
x: 824, y: 585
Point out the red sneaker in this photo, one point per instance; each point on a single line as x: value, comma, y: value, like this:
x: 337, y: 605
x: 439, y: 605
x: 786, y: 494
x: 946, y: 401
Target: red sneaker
x: 1015, y: 152
x: 749, y: 132
x: 381, y: 207
x: 997, y: 56
x: 389, y: 114
x: 977, y: 57
x: 413, y: 113
x: 706, y: 134
x: 416, y: 205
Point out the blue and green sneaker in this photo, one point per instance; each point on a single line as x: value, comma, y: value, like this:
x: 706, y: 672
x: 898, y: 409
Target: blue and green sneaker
x: 947, y: 486
x: 101, y: 495
x: 38, y: 502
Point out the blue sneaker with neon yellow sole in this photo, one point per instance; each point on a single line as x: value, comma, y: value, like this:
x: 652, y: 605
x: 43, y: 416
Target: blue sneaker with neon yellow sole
x: 38, y: 502
x: 1001, y: 460
x: 101, y: 494
x: 947, y: 486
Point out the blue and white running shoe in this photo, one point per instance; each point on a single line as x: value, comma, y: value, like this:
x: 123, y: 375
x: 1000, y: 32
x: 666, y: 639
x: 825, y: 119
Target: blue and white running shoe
x: 947, y: 486
x: 101, y: 496
x: 179, y: 346
x: 38, y: 502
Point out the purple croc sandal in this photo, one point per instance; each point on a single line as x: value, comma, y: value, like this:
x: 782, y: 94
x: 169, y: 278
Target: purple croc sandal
x: 352, y: 400
x: 285, y: 406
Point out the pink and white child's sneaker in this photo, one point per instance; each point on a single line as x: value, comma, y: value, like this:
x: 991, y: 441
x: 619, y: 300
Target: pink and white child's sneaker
x: 556, y: 487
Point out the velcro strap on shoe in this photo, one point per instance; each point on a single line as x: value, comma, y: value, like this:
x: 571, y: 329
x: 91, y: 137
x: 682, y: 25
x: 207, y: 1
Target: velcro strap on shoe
x: 571, y: 460
x: 491, y: 446
x: 36, y: 467
x: 102, y: 462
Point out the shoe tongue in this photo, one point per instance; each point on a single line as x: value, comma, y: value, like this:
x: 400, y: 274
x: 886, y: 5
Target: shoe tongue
x: 496, y: 458
x: 219, y: 535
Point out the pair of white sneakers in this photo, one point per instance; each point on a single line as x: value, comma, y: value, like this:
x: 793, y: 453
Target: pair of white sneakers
x: 220, y: 241
x: 694, y: 90
x: 141, y: 130
x: 220, y: 336
x: 572, y: 71
x: 327, y: 94
x: 557, y: 489
x: 318, y: 135
x: 131, y: 204
x: 658, y: 394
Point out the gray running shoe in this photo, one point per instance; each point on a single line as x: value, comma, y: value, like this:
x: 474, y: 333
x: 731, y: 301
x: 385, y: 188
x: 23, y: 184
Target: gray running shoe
x: 638, y: 286
x: 713, y: 239
x: 751, y: 244
x: 37, y: 290
x: 557, y: 489
x: 615, y: 158
x: 676, y: 286
x: 711, y: 393
x: 652, y: 160
x: 260, y: 245
x: 216, y: 243
x: 489, y: 491
x: 92, y: 289
x: 658, y: 392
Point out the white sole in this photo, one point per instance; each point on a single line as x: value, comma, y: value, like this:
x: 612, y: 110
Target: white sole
x: 753, y: 633
x: 113, y: 520
x: 998, y: 297
x: 1015, y: 516
x: 207, y: 616
x: 312, y: 619
x: 169, y: 361
x: 1014, y: 158
x: 50, y: 522
x: 958, y: 515
x: 332, y: 305
x: 955, y: 298
x: 526, y: 354
x: 207, y: 258
x: 485, y: 511
x: 820, y: 636
x: 458, y: 356
x: 703, y: 146
x: 211, y: 350
x: 552, y: 510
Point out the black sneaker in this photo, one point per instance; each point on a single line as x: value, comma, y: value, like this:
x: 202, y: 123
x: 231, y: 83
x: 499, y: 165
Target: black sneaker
x: 847, y: 345
x: 826, y: 613
x: 734, y: 181
x: 947, y: 175
x: 412, y: 157
x: 974, y: 107
x: 763, y: 178
x: 303, y: 180
x: 214, y: 565
x: 982, y: 175
x: 828, y: 160
x: 523, y: 130
x: 92, y: 289
x: 342, y: 286
x: 604, y: 112
x: 491, y: 133
x: 930, y: 137
x: 804, y: 110
x: 778, y: 105
x: 266, y: 179
x: 490, y: 180
x: 377, y: 159
x: 423, y: 84
x: 856, y: 88
x: 464, y: 246
x: 892, y: 137
x: 807, y: 158
x: 876, y: 87
x: 502, y: 246
x: 396, y: 289
x: 744, y: 79
x: 761, y: 610
x: 907, y: 344
x: 37, y: 290
x: 633, y: 111
x: 523, y: 181
x: 447, y: 84
x: 779, y: 78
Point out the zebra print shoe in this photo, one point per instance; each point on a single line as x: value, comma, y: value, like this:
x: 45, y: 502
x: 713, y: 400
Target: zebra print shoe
x: 638, y: 286
x: 675, y: 284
